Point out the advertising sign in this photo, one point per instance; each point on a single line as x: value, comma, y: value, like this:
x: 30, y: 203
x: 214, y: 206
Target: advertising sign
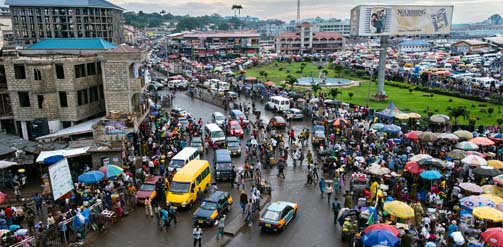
x: 393, y: 20
x: 115, y: 127
x: 61, y: 179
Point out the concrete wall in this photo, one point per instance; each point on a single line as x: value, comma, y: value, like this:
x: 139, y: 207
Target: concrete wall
x: 114, y: 156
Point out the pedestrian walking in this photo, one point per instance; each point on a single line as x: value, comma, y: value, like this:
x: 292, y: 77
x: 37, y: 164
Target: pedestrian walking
x: 220, y: 227
x: 322, y: 186
x: 172, y: 214
x: 164, y: 218
x: 197, y: 233
x: 281, y: 168
x: 38, y: 203
x: 329, y: 190
x: 148, y: 207
x: 249, y: 212
x: 243, y: 199
x: 157, y: 211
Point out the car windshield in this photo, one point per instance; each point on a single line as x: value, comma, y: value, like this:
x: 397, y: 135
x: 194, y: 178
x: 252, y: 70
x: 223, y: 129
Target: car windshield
x: 224, y: 166
x: 209, y: 205
x: 232, y: 144
x: 196, y: 144
x: 178, y: 187
x: 217, y: 134
x: 235, y: 127
x: 220, y: 117
x: 147, y: 187
x: 271, y: 215
x: 177, y: 163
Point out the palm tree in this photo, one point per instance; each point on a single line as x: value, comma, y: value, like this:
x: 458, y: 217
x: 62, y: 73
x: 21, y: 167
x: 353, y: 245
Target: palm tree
x: 238, y: 8
x: 315, y: 87
x: 162, y: 12
x: 291, y: 80
x: 456, y: 112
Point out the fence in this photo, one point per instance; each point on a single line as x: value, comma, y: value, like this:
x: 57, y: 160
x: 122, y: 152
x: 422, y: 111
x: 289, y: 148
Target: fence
x: 27, y: 242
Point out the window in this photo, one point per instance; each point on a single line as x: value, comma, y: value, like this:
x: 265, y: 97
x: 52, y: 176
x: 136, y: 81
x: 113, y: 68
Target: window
x: 80, y: 70
x: 102, y: 94
x: 19, y: 72
x: 37, y: 75
x: 63, y: 100
x: 86, y: 98
x: 82, y: 97
x: 24, y: 99
x: 91, y: 69
x: 199, y: 179
x: 40, y: 101
x: 98, y: 64
x: 93, y: 94
x: 60, y: 71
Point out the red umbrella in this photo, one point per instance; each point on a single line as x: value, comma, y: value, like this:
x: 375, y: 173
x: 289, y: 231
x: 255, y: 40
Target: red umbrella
x: 268, y: 83
x: 340, y: 122
x: 413, y: 167
x: 493, y: 236
x: 413, y: 135
x: 386, y: 227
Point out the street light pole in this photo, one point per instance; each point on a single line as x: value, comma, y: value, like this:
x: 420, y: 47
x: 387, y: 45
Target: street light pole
x: 370, y: 83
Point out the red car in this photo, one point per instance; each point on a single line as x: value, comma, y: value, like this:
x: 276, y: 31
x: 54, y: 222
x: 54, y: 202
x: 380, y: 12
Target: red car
x: 235, y: 129
x: 147, y: 189
x: 278, y: 122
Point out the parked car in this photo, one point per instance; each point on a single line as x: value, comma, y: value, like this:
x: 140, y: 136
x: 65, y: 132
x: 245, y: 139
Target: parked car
x: 218, y: 118
x: 233, y: 145
x: 235, y: 129
x: 231, y: 94
x: 197, y: 143
x: 213, y: 207
x: 278, y: 215
x: 147, y: 189
x: 277, y: 122
x: 237, y: 115
x: 294, y: 113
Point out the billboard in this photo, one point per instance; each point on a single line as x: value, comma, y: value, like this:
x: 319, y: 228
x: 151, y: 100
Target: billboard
x: 115, y: 127
x: 61, y: 179
x: 394, y: 20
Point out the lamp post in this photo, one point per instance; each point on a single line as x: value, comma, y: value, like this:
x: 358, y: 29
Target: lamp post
x: 370, y: 83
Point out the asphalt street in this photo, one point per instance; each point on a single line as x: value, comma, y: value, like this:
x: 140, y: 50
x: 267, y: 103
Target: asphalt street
x: 313, y: 225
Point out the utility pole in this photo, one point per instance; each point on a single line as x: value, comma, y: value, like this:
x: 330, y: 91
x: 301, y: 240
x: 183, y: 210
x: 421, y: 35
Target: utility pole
x: 298, y: 12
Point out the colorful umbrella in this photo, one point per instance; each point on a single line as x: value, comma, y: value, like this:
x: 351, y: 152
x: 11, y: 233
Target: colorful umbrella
x: 378, y: 170
x: 432, y: 162
x: 463, y: 134
x: 482, y: 141
x: 111, y: 171
x: 91, y: 177
x: 377, y: 126
x: 493, y: 236
x: 448, y: 136
x: 496, y: 199
x: 498, y: 137
x: 391, y: 128
x: 402, y: 116
x: 386, y: 227
x: 439, y: 119
x: 474, y: 160
x: 430, y: 175
x: 418, y: 157
x: 3, y: 197
x: 399, y: 209
x: 488, y: 213
x: 380, y: 238
x: 486, y: 171
x: 340, y: 122
x: 493, y: 190
x: 476, y: 153
x: 497, y: 164
x: 427, y: 136
x: 413, y: 167
x: 413, y: 135
x: 471, y: 187
x: 467, y: 146
x: 498, y: 179
x: 414, y: 115
x: 471, y: 202
x: 457, y: 154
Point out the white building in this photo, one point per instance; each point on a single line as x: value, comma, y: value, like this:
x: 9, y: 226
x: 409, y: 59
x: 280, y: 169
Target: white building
x: 410, y: 45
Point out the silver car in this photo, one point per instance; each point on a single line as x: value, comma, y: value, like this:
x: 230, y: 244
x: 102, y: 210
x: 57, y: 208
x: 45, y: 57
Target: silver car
x: 294, y: 113
x: 218, y: 118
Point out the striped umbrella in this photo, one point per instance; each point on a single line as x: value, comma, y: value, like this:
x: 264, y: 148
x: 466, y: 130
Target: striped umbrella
x: 467, y: 146
x: 474, y: 160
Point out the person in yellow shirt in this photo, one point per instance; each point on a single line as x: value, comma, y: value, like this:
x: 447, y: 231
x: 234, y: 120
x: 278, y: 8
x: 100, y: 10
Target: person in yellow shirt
x: 373, y: 190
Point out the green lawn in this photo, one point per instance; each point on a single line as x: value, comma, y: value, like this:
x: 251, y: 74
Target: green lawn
x: 405, y: 101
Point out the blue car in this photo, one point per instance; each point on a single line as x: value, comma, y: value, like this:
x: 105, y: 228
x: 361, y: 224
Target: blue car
x: 212, y: 208
x: 278, y: 215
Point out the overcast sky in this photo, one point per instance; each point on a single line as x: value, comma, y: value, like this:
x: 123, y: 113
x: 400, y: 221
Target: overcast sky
x: 464, y: 10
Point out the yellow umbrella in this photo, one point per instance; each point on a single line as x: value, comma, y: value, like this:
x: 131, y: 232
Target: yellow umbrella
x: 488, y: 213
x: 493, y: 190
x: 399, y: 209
x: 402, y: 116
x: 495, y: 163
x: 496, y: 199
x: 414, y: 115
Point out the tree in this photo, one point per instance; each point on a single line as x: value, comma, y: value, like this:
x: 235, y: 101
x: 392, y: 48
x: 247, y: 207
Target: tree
x: 315, y: 87
x: 334, y: 92
x: 490, y: 110
x: 265, y: 74
x: 499, y: 121
x: 291, y: 80
x: 163, y: 12
x: 411, y: 89
x: 350, y: 94
x: 456, y: 112
x: 302, y: 67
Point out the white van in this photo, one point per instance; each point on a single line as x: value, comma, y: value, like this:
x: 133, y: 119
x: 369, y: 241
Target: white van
x: 211, y: 83
x: 223, y: 85
x: 278, y: 103
x: 214, y: 133
x: 183, y: 157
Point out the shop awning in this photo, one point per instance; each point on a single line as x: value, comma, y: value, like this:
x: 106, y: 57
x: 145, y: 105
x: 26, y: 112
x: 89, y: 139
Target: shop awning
x: 6, y: 164
x: 81, y: 128
x: 68, y: 153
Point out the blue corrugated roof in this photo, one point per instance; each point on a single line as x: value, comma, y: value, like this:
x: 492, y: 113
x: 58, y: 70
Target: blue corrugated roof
x: 72, y: 44
x: 63, y: 3
x: 414, y: 42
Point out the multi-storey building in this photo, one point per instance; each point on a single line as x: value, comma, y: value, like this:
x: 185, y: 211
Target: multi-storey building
x: 34, y: 20
x: 57, y: 83
x: 333, y: 25
x: 230, y: 44
x: 306, y: 40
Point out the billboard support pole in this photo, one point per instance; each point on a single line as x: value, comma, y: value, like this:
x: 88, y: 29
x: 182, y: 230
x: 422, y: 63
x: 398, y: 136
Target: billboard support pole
x: 380, y: 94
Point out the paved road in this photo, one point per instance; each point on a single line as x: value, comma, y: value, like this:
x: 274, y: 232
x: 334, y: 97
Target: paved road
x: 312, y: 227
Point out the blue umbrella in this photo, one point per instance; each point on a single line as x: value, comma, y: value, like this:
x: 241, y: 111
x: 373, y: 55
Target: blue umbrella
x: 380, y: 237
x: 430, y: 175
x: 53, y: 159
x: 91, y: 177
x: 391, y: 128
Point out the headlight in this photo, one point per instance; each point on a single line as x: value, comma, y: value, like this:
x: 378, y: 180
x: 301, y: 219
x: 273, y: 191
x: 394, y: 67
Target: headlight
x: 218, y: 173
x: 184, y: 203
